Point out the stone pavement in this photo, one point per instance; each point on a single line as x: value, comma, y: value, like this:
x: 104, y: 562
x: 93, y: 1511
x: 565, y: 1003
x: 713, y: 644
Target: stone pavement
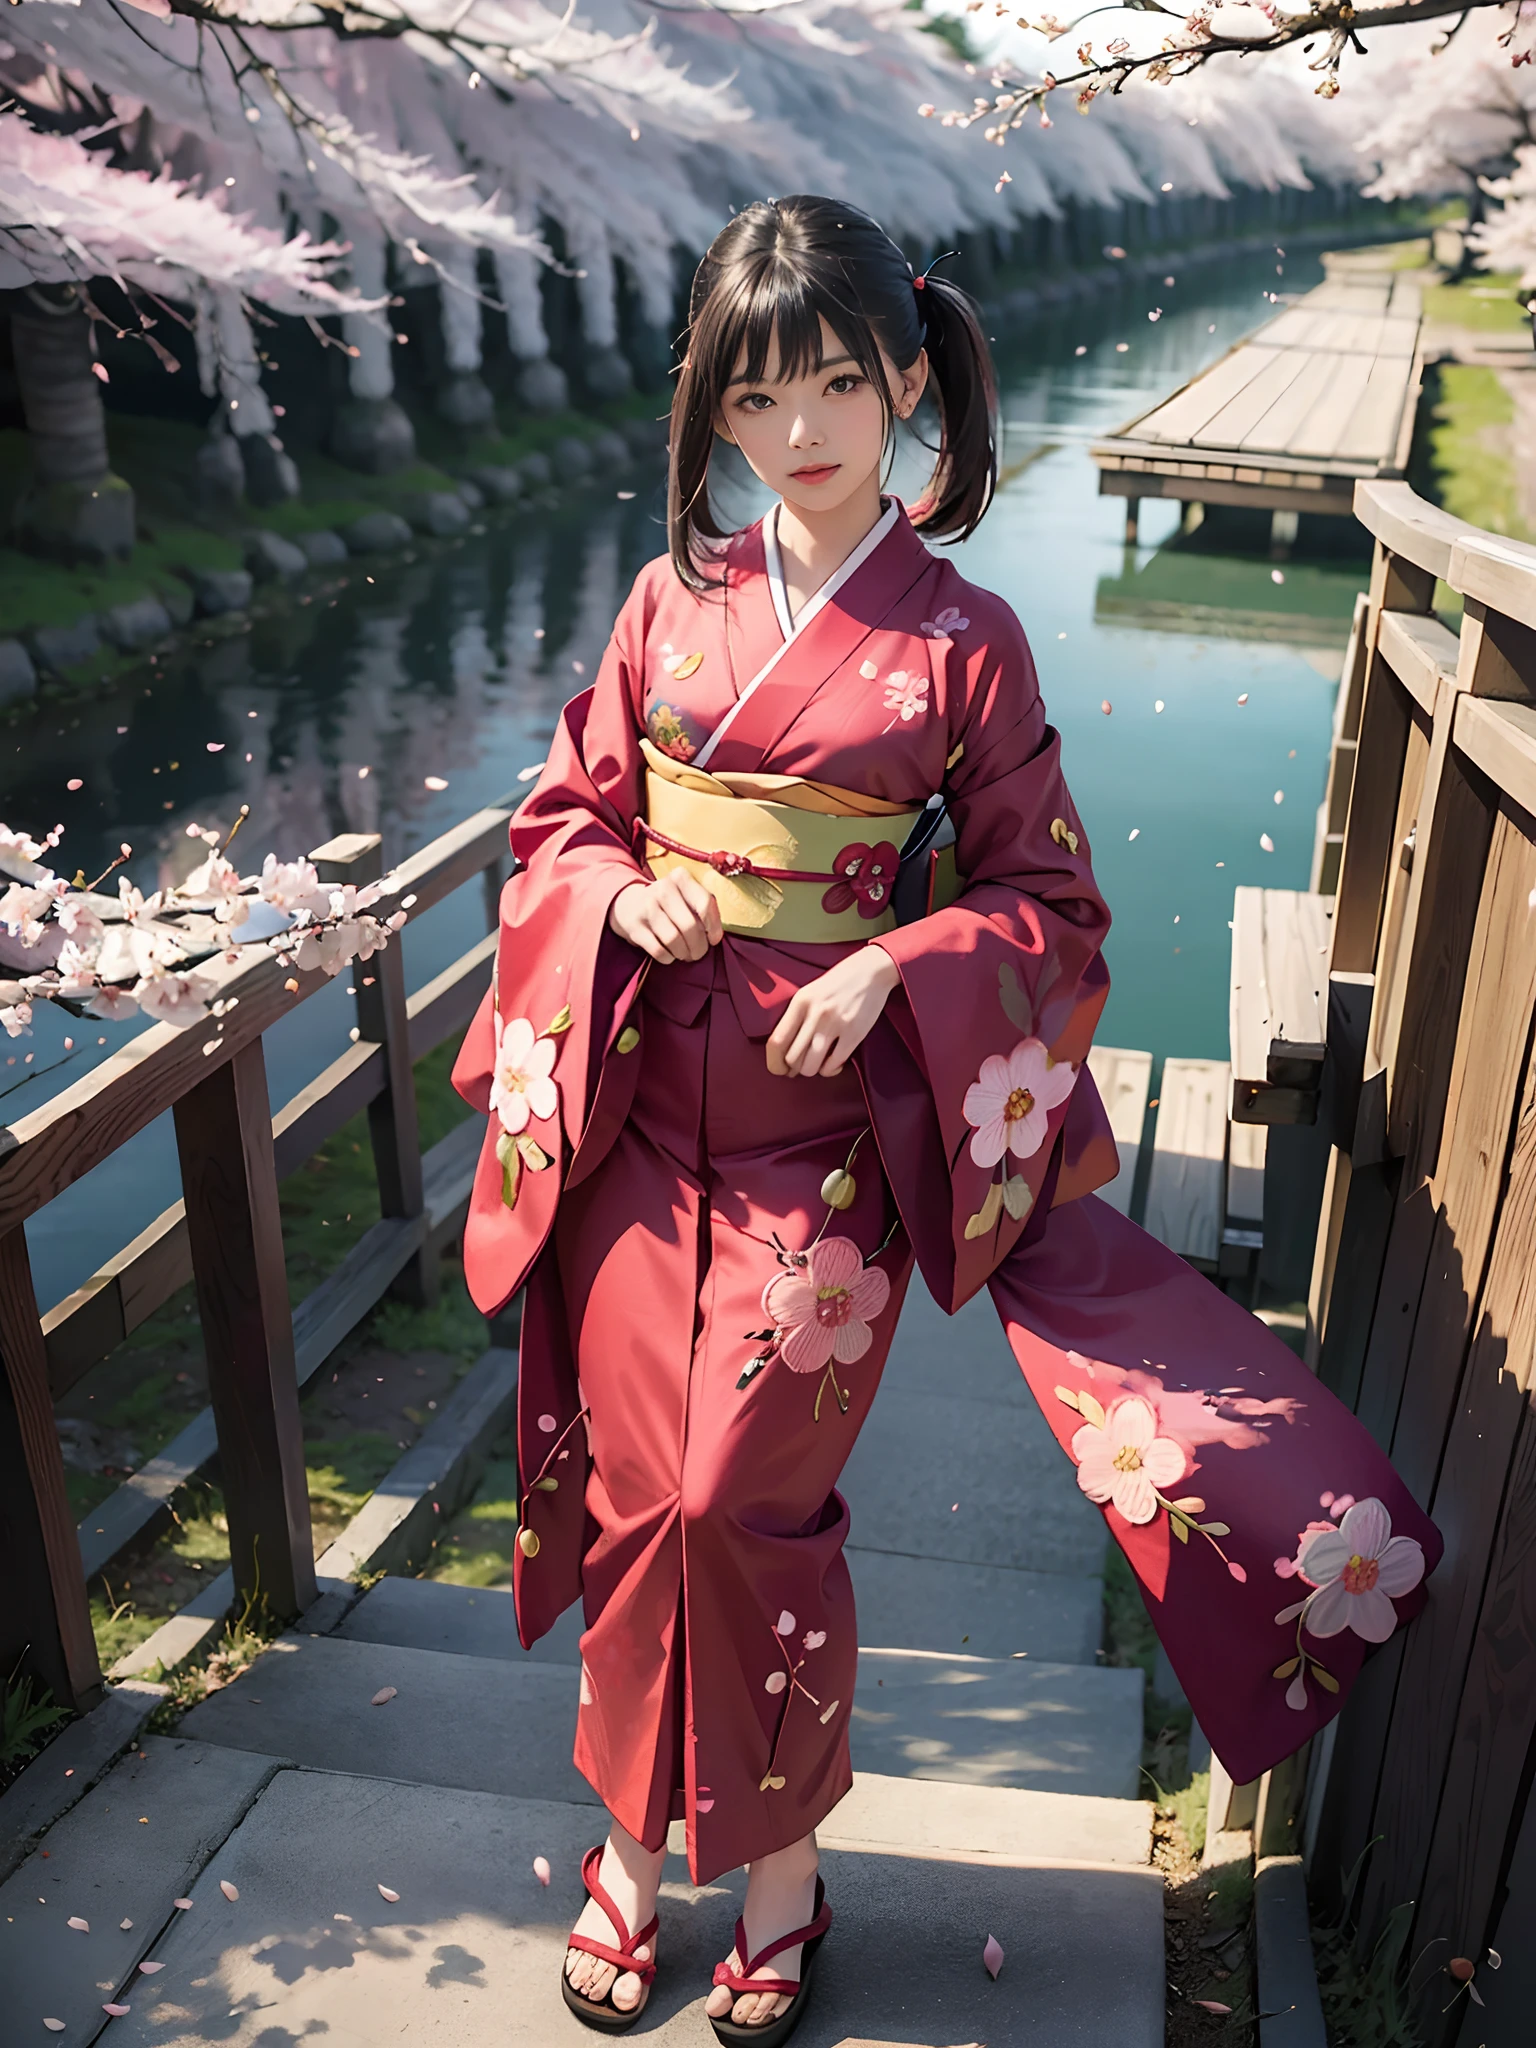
x: 995, y: 1768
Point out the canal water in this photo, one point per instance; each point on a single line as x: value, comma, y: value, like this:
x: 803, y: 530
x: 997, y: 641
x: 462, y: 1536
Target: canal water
x: 1192, y: 684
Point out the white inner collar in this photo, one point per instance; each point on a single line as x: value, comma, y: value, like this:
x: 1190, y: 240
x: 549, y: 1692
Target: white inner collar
x: 789, y: 625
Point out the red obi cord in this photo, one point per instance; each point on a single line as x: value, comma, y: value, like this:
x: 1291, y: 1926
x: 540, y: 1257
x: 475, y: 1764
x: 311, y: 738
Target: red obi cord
x: 863, y: 875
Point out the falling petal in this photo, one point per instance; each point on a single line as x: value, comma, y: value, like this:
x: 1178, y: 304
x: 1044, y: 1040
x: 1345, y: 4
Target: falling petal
x: 383, y: 1696
x: 703, y: 1805
x: 992, y: 1955
x: 434, y: 782
x: 785, y: 1625
x: 150, y: 1969
x: 1106, y: 707
x: 74, y: 783
x: 117, y: 2012
x: 775, y: 1682
x: 347, y: 1917
x: 1135, y: 832
x: 182, y: 1905
x: 80, y: 1926
x: 231, y: 1892
x: 1266, y: 842
x: 1210, y: 2005
x: 1157, y: 704
x: 541, y: 1869
x: 385, y: 1893
x: 1495, y: 1960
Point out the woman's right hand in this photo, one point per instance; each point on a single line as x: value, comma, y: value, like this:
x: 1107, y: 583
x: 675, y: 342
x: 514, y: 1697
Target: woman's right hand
x: 672, y: 918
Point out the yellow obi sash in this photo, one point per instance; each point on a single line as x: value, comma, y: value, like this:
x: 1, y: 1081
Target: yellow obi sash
x: 798, y: 861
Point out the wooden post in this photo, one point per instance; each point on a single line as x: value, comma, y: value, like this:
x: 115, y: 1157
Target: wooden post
x: 229, y: 1180
x: 1132, y: 520
x: 45, y: 1617
x: 382, y: 1020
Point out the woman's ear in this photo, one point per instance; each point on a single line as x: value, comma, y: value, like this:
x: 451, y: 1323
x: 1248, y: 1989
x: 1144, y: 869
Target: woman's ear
x: 912, y: 382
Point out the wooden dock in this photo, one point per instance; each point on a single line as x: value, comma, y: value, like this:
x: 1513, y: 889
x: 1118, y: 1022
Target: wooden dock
x: 1289, y: 419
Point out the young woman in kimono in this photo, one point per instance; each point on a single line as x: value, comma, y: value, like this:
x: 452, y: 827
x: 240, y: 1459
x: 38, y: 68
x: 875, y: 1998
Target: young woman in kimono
x: 733, y: 1100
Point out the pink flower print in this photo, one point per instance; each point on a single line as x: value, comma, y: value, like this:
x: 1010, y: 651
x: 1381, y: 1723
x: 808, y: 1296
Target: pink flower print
x: 906, y: 695
x: 1126, y: 1462
x: 823, y: 1309
x: 944, y: 625
x: 1010, y: 1100
x: 1295, y: 1567
x: 1358, y: 1570
x: 522, y: 1087
x: 866, y: 876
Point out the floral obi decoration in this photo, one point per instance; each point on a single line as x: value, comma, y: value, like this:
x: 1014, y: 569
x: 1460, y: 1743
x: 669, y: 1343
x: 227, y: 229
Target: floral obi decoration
x: 866, y: 876
x: 780, y: 861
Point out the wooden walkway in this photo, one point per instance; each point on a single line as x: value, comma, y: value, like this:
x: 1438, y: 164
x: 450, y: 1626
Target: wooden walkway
x: 1287, y: 420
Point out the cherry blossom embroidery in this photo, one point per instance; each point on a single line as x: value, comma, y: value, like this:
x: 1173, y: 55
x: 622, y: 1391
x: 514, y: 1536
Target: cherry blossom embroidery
x: 868, y: 874
x: 522, y: 1088
x: 943, y: 625
x: 821, y: 1308
x: 668, y: 734
x: 788, y: 1682
x: 1008, y: 1108
x: 906, y: 695
x: 1125, y: 1460
x: 1355, y: 1572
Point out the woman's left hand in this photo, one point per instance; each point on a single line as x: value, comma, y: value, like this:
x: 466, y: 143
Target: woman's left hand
x: 829, y: 1019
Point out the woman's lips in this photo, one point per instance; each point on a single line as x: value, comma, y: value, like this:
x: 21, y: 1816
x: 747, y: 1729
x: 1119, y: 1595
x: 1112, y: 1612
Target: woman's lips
x: 815, y: 472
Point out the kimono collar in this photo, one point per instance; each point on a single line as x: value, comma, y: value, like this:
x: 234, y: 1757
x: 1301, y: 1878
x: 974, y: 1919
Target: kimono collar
x: 773, y: 563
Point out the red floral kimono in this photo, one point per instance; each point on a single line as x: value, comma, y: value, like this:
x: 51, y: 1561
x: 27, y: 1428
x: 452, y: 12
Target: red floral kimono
x: 714, y: 1258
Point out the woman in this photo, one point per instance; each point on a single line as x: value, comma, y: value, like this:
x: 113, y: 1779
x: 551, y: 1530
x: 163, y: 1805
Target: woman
x: 741, y: 1079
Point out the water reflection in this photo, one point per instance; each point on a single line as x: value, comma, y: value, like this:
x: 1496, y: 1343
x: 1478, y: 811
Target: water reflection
x: 330, y: 713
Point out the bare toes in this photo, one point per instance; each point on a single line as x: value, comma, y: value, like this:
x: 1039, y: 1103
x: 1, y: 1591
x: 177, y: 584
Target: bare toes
x: 718, y: 2003
x: 626, y: 1991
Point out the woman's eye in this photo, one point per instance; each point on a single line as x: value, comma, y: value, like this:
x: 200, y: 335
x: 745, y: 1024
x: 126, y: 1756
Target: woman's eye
x: 756, y: 401
x: 842, y: 385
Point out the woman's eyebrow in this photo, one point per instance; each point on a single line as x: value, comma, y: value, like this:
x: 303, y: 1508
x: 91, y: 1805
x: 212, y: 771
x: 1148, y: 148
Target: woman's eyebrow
x: 816, y: 370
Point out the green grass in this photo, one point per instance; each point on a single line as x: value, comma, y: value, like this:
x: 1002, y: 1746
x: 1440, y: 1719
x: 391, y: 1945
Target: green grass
x: 1466, y: 437
x: 1490, y: 302
x: 476, y: 1547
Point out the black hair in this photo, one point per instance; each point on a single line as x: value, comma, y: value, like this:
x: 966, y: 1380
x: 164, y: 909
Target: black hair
x: 767, y: 282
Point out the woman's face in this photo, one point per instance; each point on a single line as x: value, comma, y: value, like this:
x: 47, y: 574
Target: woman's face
x: 816, y: 439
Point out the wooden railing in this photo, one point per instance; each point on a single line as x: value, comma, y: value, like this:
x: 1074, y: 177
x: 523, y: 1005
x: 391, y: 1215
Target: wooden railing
x: 225, y: 1235
x: 1423, y: 1305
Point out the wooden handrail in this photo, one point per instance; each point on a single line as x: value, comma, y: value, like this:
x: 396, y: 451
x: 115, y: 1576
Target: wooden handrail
x: 1409, y: 525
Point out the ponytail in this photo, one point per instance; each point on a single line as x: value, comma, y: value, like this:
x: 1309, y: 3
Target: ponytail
x: 769, y: 279
x: 964, y: 387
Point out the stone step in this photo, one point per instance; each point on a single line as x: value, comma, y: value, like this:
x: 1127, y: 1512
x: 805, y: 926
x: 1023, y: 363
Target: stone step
x: 462, y: 1682
x: 981, y: 1721
x: 132, y: 1846
x: 471, y: 1950
x: 480, y: 1723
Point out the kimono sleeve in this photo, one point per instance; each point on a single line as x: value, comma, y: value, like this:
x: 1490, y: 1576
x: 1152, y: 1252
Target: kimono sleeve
x: 1003, y: 987
x: 564, y: 982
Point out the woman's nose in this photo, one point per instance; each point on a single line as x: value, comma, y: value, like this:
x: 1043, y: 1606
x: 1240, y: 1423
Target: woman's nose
x: 803, y: 433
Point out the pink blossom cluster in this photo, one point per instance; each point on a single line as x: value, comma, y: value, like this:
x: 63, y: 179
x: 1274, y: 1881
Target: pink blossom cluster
x: 131, y: 959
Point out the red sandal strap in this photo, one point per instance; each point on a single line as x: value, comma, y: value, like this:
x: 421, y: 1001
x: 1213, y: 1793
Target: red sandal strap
x: 623, y: 1957
x: 743, y: 1981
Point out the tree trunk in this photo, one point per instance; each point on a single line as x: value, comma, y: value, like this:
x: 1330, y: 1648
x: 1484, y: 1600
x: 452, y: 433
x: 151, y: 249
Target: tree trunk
x: 74, y: 508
